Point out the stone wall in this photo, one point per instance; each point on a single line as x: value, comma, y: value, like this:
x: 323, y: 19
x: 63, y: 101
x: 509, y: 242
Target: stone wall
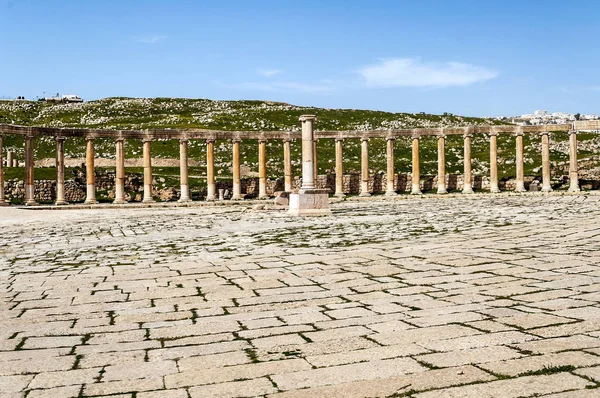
x: 75, y: 188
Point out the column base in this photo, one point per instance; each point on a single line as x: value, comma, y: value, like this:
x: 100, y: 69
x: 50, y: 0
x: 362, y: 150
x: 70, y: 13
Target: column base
x: 184, y: 200
x: 119, y: 202
x: 313, y: 202
x: 546, y: 189
x: 90, y: 202
x: 3, y: 203
x: 441, y: 191
x: 416, y: 192
x: 340, y: 195
x: 520, y: 189
x: 364, y: 194
x: 494, y: 190
x: 467, y: 190
x: 31, y: 202
x: 391, y: 193
x: 61, y: 203
x: 211, y: 198
x: 574, y: 189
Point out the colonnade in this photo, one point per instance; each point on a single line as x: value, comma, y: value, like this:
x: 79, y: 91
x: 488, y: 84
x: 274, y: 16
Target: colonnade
x: 286, y: 144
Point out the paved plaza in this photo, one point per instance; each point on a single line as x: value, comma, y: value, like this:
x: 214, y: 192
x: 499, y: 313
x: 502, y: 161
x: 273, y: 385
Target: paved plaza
x: 468, y: 296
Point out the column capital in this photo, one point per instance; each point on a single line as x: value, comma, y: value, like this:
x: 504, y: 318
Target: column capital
x: 60, y: 138
x: 339, y: 139
x: 236, y: 140
x: 415, y: 136
x: 287, y: 139
x: 210, y: 140
x: 183, y: 140
x: 261, y: 140
x: 362, y: 139
x: 147, y: 139
x: 573, y: 132
x: 468, y: 135
x: 89, y: 138
x: 441, y: 135
x: 390, y: 138
x: 542, y: 133
x: 119, y: 139
x: 493, y: 134
x: 305, y: 118
x: 519, y: 134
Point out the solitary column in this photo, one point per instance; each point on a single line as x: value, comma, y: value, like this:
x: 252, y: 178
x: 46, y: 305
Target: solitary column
x: 262, y: 169
x: 210, y: 170
x: 287, y: 164
x: 573, y: 168
x: 390, y: 172
x: 2, y: 201
x: 29, y: 168
x: 60, y: 171
x: 467, y: 178
x: 416, y: 177
x: 520, y: 187
x: 147, y: 171
x: 120, y: 175
x: 546, y: 183
x: 235, y: 170
x: 308, y: 152
x: 364, y: 169
x: 339, y: 168
x: 9, y: 159
x: 441, y: 164
x: 183, y: 171
x: 90, y: 172
x: 494, y: 163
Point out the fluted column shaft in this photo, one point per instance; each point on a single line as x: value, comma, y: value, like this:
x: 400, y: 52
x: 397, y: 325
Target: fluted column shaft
x: 235, y: 170
x: 308, y: 152
x: 494, y: 163
x: 183, y: 171
x: 29, y: 170
x: 520, y: 186
x: 364, y: 167
x: 60, y: 171
x: 2, y: 201
x: 467, y: 177
x: 120, y: 172
x: 546, y: 180
x: 416, y: 171
x: 339, y: 168
x: 210, y: 170
x: 390, y: 173
x: 441, y: 143
x: 262, y: 169
x: 147, y: 150
x: 573, y: 167
x: 90, y: 175
x: 287, y: 165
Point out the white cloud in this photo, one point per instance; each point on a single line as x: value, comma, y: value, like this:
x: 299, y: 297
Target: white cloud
x: 269, y: 72
x: 150, y: 39
x: 412, y: 72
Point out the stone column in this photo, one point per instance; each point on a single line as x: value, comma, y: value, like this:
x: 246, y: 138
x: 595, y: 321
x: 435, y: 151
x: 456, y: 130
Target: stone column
x: 364, y: 167
x: 90, y: 172
x: 287, y: 164
x: 29, y: 169
x: 494, y: 163
x: 520, y: 187
x: 308, y: 152
x: 546, y: 183
x: 416, y: 172
x: 235, y: 169
x: 339, y: 168
x: 120, y: 174
x: 316, y: 166
x: 147, y: 142
x: 60, y: 171
x: 467, y: 177
x: 2, y: 201
x: 9, y: 159
x: 390, y: 172
x: 183, y: 171
x: 573, y: 167
x: 262, y: 169
x: 441, y: 141
x: 211, y: 187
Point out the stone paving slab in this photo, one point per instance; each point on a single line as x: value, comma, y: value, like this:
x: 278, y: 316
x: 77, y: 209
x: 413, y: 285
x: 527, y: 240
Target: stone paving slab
x: 456, y: 296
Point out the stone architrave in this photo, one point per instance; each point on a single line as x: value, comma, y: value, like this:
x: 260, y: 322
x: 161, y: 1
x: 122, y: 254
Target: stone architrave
x: 60, y: 171
x: 309, y: 201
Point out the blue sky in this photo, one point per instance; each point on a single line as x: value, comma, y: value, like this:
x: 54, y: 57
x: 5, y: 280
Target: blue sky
x: 466, y: 57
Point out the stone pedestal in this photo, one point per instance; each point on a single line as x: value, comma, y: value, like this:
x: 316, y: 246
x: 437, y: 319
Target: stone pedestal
x: 310, y: 202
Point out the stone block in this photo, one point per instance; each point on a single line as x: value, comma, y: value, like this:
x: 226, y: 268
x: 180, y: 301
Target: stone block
x: 314, y: 202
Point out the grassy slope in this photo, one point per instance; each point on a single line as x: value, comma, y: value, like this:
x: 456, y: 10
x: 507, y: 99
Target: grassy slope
x: 124, y: 113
